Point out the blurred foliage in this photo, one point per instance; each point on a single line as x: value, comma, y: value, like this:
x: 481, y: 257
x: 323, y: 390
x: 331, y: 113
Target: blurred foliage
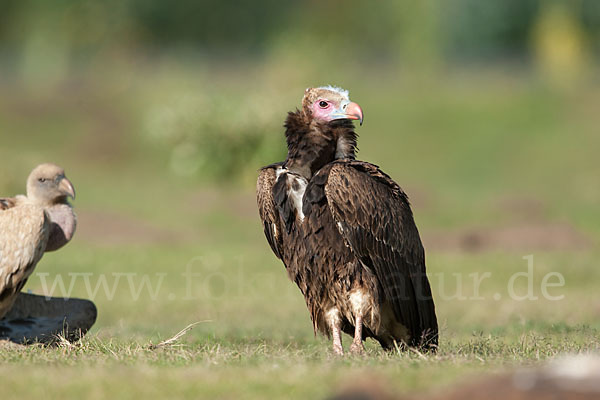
x: 559, y: 44
x: 47, y: 47
x: 387, y: 29
x: 484, y: 29
x: 216, y: 134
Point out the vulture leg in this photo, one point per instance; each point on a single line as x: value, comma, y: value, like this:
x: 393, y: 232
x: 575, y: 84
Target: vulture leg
x: 337, y: 341
x: 357, y: 343
x: 359, y: 301
x: 333, y: 318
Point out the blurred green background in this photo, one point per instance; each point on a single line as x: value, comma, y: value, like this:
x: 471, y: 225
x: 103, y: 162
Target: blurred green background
x: 485, y: 112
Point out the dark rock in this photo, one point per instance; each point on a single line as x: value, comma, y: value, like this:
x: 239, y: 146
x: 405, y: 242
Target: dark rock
x: 41, y: 319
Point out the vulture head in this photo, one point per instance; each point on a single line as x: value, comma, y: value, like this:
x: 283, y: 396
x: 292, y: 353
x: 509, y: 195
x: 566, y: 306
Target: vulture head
x: 322, y: 130
x: 329, y: 103
x: 47, y: 185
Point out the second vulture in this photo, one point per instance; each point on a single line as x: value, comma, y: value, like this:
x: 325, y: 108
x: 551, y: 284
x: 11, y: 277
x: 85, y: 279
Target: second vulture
x: 345, y: 231
x: 30, y: 225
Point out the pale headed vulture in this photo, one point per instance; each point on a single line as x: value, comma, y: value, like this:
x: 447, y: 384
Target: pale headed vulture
x: 345, y: 231
x: 43, y: 220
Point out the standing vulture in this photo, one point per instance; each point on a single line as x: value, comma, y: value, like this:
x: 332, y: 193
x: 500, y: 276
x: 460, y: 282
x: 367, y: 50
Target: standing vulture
x: 30, y: 225
x: 345, y: 231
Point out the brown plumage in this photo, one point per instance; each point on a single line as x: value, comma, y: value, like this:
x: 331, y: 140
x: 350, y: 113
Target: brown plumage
x: 345, y: 231
x: 30, y: 225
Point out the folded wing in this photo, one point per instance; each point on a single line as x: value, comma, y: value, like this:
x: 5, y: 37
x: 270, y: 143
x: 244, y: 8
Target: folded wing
x: 267, y: 208
x: 24, y: 231
x: 373, y: 215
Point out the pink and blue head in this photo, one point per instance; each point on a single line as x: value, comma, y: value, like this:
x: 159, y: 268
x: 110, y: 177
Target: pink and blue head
x: 329, y: 103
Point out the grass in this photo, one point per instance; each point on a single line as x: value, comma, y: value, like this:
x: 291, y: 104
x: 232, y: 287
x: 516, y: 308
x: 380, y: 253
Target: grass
x: 460, y: 149
x: 247, y: 369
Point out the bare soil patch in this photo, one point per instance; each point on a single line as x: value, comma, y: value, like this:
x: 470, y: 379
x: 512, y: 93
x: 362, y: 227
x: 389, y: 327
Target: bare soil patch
x: 110, y: 228
x: 531, y: 236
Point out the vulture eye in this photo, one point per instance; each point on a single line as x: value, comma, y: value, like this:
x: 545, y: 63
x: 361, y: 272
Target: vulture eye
x: 323, y: 104
x: 42, y: 180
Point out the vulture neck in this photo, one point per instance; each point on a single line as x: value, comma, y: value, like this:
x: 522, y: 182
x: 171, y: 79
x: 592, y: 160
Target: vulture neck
x: 313, y: 144
x: 45, y: 202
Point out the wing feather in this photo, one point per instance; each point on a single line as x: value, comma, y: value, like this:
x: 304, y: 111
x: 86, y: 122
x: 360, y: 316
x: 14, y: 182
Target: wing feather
x: 267, y: 208
x: 10, y: 202
x: 24, y: 231
x: 374, y: 217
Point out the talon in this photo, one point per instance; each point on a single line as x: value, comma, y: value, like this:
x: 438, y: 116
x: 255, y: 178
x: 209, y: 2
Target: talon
x: 357, y: 348
x: 338, y: 350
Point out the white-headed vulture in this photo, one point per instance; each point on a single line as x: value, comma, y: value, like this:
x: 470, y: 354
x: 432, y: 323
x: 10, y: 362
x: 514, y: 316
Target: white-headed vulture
x: 345, y: 231
x: 31, y: 225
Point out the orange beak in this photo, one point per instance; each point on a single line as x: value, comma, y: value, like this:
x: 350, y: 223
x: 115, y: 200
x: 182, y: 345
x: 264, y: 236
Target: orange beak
x: 353, y: 111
